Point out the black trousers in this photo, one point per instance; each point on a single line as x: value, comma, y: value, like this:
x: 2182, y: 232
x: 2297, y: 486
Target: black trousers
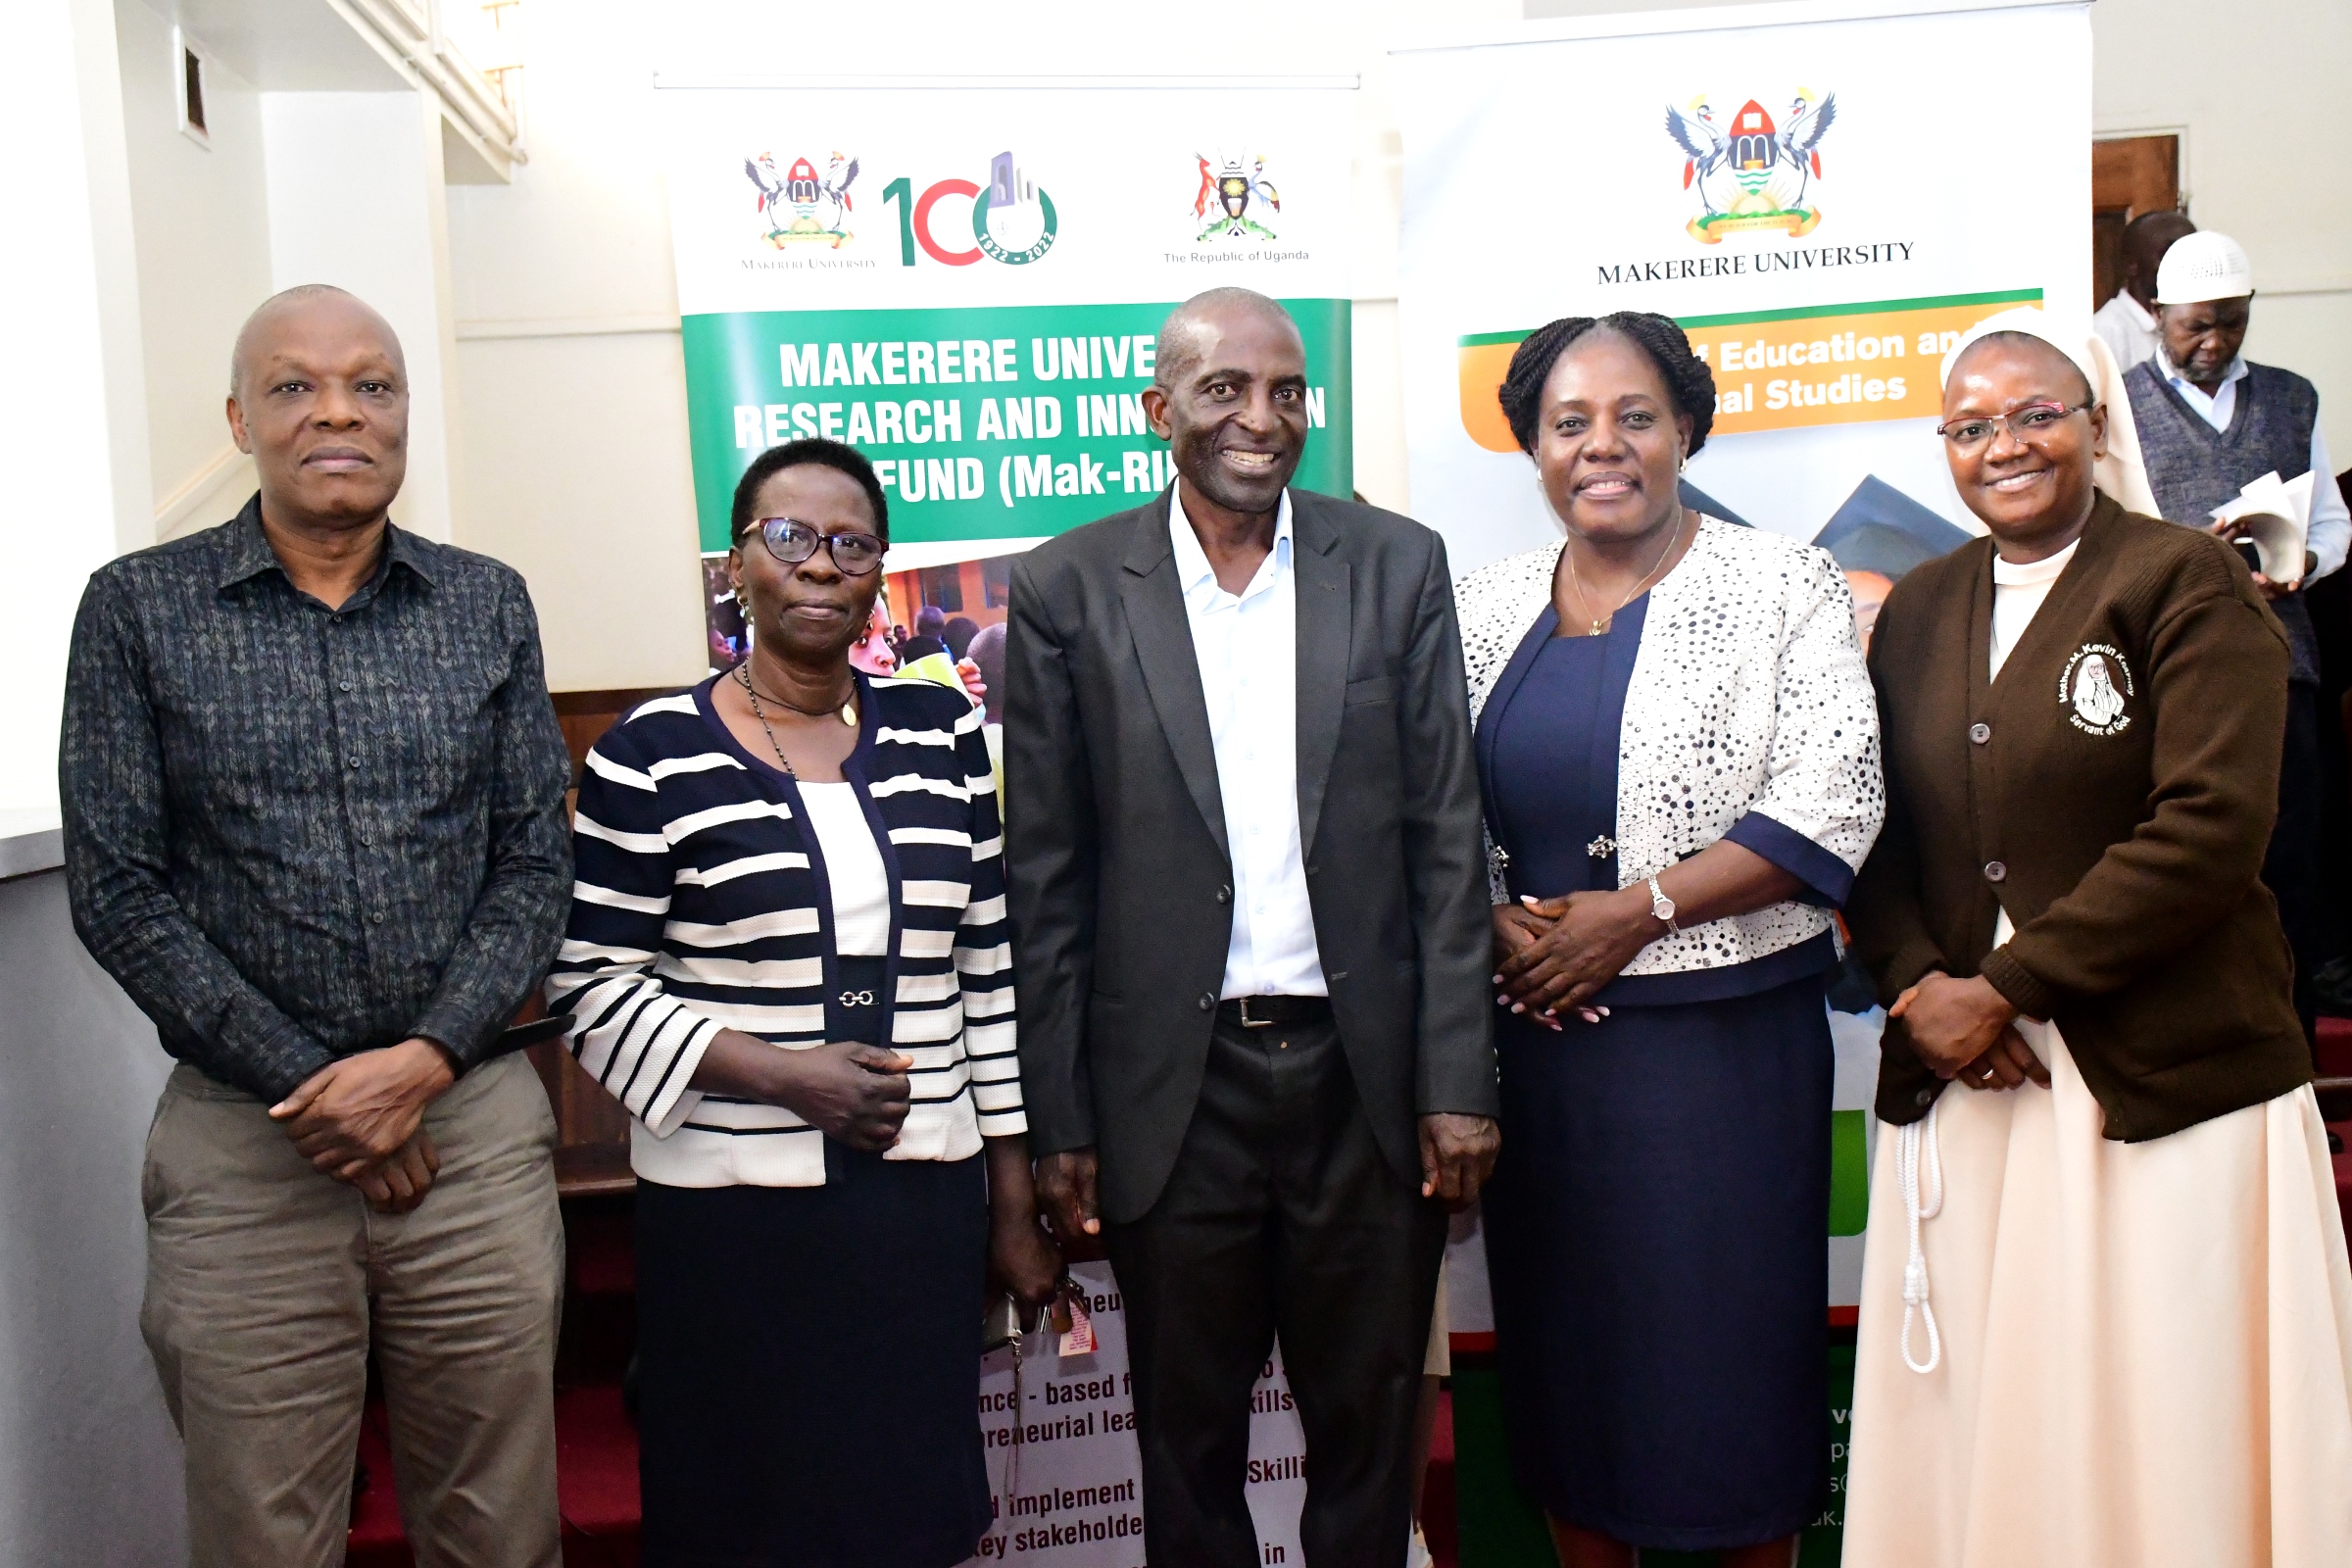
x: 1281, y: 1218
x: 2291, y: 868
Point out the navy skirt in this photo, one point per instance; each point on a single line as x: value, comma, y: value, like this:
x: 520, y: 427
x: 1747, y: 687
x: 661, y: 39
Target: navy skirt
x: 808, y: 1368
x: 1657, y: 1237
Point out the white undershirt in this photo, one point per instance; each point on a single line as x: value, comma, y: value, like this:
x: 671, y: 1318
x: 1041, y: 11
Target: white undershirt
x: 2017, y: 595
x: 854, y: 871
x: 1246, y: 646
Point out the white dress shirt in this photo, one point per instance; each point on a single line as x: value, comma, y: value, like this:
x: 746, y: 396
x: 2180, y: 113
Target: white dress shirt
x: 1248, y: 649
x: 2330, y: 532
x: 2128, y: 328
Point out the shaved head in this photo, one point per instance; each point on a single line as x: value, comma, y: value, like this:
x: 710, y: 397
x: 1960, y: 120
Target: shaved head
x: 1182, y: 340
x: 2063, y: 370
x: 303, y: 298
x: 318, y: 394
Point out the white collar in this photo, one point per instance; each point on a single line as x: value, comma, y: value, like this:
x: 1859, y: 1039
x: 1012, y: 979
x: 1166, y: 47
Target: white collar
x: 2164, y: 363
x: 1192, y: 561
x: 2140, y: 313
x: 2032, y: 573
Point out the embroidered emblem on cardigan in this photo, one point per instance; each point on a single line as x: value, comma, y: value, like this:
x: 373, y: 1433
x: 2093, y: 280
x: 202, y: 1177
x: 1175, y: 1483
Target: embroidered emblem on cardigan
x: 2095, y: 685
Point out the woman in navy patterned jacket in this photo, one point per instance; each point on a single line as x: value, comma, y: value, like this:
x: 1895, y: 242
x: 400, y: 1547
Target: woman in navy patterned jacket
x: 788, y: 957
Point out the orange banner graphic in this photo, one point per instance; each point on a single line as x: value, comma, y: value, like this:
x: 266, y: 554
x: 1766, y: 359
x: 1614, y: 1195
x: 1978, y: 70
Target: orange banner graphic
x: 1783, y: 369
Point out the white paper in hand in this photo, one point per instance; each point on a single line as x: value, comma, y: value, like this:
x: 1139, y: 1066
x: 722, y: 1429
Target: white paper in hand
x: 2276, y: 515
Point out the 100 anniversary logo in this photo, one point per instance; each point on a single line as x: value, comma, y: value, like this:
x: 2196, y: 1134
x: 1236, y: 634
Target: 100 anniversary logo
x: 1013, y: 221
x: 1756, y: 175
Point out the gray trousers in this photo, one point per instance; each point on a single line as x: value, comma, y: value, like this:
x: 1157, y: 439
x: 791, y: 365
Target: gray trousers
x: 266, y: 1282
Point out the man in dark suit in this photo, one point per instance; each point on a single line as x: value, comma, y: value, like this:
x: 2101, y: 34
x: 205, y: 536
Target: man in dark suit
x: 1251, y: 932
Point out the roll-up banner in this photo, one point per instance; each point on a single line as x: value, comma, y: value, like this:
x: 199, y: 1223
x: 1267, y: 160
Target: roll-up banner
x: 1824, y: 196
x: 965, y: 280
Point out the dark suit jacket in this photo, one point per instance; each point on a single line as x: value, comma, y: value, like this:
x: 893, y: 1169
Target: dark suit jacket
x: 1120, y: 879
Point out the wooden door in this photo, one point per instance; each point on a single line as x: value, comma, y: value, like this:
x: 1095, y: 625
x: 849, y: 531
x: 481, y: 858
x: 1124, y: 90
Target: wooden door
x: 592, y: 1130
x: 2128, y: 176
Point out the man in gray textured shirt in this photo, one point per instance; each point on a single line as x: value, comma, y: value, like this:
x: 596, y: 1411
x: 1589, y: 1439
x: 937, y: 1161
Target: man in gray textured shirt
x: 314, y: 810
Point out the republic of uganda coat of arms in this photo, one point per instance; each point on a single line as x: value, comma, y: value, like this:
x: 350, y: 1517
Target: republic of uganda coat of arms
x: 1230, y: 185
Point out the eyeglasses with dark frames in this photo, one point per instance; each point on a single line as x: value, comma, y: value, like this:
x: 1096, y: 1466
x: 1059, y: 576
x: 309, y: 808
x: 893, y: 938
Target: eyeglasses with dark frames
x: 792, y: 541
x: 2031, y: 423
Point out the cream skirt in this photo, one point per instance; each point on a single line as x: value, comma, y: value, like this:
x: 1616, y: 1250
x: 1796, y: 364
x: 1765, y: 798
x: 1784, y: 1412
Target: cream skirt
x: 2146, y: 1350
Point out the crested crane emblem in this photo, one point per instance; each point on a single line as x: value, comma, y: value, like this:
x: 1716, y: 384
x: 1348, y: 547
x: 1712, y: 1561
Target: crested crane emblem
x: 1753, y: 172
x: 800, y: 205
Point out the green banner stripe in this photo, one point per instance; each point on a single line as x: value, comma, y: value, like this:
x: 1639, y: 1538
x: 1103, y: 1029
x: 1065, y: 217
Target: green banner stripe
x: 2013, y: 296
x: 985, y: 421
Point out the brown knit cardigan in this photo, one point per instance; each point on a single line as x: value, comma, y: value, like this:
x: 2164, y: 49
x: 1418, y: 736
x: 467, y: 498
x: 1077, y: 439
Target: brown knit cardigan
x: 2125, y: 845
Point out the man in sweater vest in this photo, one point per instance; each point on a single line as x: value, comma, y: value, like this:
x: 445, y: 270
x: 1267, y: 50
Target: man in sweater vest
x: 2210, y: 424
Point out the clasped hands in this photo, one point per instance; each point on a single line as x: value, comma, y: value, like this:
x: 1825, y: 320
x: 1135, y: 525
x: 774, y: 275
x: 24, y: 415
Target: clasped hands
x: 1552, y: 955
x: 360, y: 1119
x: 859, y: 1095
x: 1966, y: 1031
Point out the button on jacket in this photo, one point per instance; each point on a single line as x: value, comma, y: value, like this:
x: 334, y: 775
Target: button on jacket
x: 2112, y: 791
x: 1247, y: 650
x: 294, y: 833
x: 1122, y: 875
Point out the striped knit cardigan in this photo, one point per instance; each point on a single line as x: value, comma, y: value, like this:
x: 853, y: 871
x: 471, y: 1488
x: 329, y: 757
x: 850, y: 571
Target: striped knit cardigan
x: 702, y: 904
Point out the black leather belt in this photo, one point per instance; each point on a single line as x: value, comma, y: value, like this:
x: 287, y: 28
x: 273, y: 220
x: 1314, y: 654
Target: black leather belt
x: 1265, y: 1012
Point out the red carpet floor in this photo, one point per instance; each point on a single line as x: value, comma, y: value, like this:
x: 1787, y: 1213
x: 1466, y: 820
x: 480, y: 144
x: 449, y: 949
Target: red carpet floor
x: 596, y: 1448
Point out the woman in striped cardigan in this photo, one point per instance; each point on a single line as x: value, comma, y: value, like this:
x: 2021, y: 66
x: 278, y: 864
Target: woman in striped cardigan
x: 788, y: 957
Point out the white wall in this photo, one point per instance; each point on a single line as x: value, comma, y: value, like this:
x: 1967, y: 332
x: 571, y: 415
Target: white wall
x: 2255, y: 90
x: 568, y: 362
x: 569, y: 368
x: 357, y: 200
x: 201, y: 234
x: 73, y: 485
x: 90, y: 1465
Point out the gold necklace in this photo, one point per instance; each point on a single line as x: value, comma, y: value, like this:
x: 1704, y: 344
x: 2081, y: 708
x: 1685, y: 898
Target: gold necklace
x: 1600, y: 627
x: 849, y: 714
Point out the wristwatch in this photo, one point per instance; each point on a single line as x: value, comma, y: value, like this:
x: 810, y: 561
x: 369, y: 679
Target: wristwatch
x: 1661, y: 906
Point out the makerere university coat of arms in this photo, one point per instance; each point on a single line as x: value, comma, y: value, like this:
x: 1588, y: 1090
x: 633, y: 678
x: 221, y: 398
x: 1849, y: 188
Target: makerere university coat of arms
x: 1754, y: 174
x: 801, y: 206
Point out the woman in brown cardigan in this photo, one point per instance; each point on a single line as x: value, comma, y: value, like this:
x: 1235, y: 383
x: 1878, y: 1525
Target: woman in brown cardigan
x: 2138, y: 1349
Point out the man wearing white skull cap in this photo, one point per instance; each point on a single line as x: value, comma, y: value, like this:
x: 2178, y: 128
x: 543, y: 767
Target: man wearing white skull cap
x: 2210, y: 424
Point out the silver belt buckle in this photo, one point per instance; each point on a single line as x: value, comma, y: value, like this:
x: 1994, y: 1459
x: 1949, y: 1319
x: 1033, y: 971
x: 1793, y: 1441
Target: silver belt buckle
x: 1249, y: 1022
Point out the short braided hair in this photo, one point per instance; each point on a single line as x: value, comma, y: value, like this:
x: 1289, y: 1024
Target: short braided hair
x: 1689, y: 384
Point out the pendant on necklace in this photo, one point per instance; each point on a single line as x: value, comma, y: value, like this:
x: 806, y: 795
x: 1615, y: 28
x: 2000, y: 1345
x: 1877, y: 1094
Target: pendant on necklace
x: 1600, y: 628
x: 849, y: 715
